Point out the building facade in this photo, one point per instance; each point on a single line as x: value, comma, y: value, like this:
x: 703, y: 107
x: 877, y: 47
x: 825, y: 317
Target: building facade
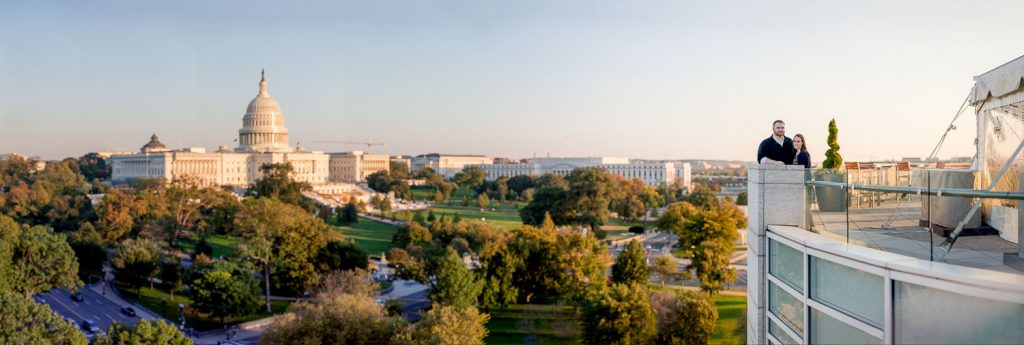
x: 448, y: 165
x: 354, y: 166
x: 653, y: 173
x: 263, y: 139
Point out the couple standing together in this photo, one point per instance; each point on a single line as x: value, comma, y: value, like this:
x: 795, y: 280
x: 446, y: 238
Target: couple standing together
x: 778, y: 149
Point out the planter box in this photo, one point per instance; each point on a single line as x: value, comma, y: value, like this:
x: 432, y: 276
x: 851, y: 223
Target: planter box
x: 831, y: 199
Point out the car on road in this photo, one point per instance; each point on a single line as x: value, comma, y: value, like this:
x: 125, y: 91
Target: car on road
x: 77, y: 297
x: 90, y: 325
x: 39, y: 300
x: 128, y: 311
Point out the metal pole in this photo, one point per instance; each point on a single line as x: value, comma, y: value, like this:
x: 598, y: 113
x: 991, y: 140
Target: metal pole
x: 931, y: 238
x: 847, y: 189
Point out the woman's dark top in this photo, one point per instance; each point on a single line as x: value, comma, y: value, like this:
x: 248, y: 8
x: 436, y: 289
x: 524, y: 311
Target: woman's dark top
x: 803, y: 158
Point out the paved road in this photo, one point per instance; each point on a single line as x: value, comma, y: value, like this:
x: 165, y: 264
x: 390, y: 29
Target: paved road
x: 94, y: 307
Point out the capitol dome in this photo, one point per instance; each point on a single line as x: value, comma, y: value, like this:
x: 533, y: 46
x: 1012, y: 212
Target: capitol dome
x: 263, y: 125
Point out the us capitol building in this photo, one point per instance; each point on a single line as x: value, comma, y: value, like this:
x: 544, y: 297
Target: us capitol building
x: 263, y: 139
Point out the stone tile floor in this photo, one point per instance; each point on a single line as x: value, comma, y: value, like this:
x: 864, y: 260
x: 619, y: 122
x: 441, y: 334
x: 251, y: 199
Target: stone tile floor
x: 893, y: 226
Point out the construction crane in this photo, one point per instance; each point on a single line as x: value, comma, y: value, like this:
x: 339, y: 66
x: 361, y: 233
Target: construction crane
x: 369, y: 143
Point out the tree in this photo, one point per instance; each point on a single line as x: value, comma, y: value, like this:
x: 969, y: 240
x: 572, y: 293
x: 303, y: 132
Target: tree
x: 590, y: 192
x: 399, y: 170
x: 385, y: 205
x: 354, y: 282
x: 172, y: 274
x: 349, y: 214
x: 621, y: 315
x: 431, y: 217
x: 115, y: 213
x: 741, y: 199
x: 499, y: 265
x: 631, y: 267
x: 419, y: 218
x: 144, y: 332
x: 225, y: 290
x: 282, y: 235
x: 26, y: 322
x: 406, y: 266
x: 637, y: 229
x: 92, y: 166
x: 465, y: 200
x: 710, y: 234
x: 471, y: 177
x: 448, y: 325
x: 550, y: 200
x: 411, y: 234
x: 40, y: 261
x: 833, y: 160
x: 579, y: 266
x: 683, y: 317
x: 482, y: 201
x: 337, y: 317
x: 341, y: 256
x: 136, y: 261
x: 455, y: 285
x: 703, y: 198
x: 665, y: 266
x: 90, y: 257
x: 202, y: 247
x: 277, y: 181
x: 520, y: 183
x: 380, y: 181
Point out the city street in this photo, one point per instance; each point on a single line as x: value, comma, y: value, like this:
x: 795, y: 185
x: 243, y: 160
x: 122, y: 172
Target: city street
x: 94, y: 306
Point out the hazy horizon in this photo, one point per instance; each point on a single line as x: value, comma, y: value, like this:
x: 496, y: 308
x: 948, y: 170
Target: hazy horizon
x: 656, y: 80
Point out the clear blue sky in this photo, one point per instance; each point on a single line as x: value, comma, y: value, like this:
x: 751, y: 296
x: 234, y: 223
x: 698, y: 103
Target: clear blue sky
x: 654, y: 79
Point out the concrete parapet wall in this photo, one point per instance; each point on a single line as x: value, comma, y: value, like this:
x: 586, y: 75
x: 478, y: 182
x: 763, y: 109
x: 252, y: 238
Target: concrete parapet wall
x: 775, y: 197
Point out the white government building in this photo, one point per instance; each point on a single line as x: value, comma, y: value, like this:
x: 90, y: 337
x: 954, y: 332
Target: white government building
x: 262, y: 139
x: 653, y: 173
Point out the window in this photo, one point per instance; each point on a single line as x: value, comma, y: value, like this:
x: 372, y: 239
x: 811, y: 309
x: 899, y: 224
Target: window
x: 925, y: 315
x: 787, y: 264
x: 827, y: 330
x: 780, y: 334
x: 855, y: 293
x: 786, y: 307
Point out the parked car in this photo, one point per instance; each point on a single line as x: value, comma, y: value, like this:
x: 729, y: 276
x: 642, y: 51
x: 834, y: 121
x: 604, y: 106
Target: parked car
x: 128, y: 311
x: 39, y: 300
x: 77, y: 297
x: 90, y: 325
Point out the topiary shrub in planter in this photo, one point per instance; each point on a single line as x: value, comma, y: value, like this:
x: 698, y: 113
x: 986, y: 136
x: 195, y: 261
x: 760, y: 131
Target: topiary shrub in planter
x: 831, y: 199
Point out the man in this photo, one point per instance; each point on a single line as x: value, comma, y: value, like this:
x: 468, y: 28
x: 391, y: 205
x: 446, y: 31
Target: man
x: 776, y: 149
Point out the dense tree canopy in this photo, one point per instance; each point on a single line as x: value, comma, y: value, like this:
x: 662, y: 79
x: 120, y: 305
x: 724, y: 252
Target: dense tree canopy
x: 281, y: 237
x: 144, y: 332
x: 448, y: 325
x: 620, y: 315
x: 136, y: 261
x: 710, y: 234
x: 455, y: 285
x: 225, y: 290
x: 40, y: 261
x: 277, y: 182
x: 631, y: 266
x: 683, y: 317
x: 23, y: 321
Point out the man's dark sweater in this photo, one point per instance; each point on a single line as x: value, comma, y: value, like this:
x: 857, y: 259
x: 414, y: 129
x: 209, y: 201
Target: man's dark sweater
x: 771, y: 149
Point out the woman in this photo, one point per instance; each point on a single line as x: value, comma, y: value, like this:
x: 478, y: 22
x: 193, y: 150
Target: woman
x: 802, y: 156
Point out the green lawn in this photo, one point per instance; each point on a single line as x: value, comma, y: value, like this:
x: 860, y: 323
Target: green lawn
x: 505, y: 219
x: 158, y: 301
x: 730, y: 315
x: 222, y: 245
x: 547, y: 324
x: 373, y: 237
